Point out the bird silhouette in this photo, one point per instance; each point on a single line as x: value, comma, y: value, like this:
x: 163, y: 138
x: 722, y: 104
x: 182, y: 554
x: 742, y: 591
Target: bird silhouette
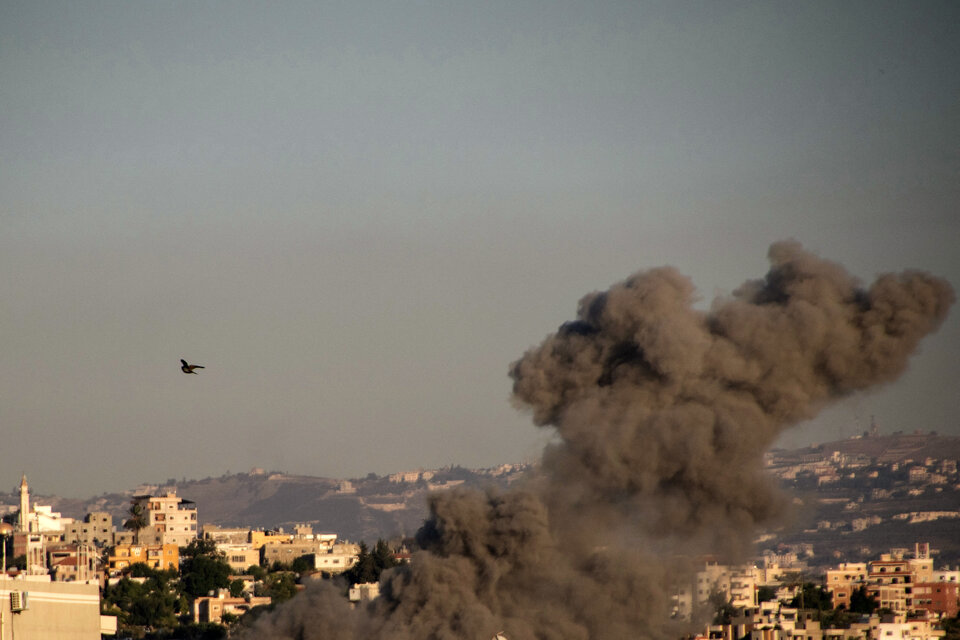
x: 189, y: 368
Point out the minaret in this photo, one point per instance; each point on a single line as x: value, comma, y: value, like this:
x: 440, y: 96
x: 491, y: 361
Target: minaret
x: 23, y: 520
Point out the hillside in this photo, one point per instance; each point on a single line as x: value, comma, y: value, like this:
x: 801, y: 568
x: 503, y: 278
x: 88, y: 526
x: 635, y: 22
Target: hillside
x: 849, y: 499
x: 357, y: 509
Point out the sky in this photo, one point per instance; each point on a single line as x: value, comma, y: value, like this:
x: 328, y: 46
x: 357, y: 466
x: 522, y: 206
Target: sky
x: 357, y: 215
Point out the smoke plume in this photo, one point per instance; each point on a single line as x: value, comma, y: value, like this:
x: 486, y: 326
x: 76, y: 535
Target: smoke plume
x: 662, y: 413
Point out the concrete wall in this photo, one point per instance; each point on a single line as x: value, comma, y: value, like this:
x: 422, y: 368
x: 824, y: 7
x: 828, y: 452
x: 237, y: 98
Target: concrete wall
x: 61, y: 610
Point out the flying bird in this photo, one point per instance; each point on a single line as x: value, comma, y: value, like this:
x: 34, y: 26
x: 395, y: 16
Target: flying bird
x: 189, y: 368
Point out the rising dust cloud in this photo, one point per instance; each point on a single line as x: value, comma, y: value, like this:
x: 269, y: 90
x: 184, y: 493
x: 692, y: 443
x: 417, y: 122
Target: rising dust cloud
x: 662, y: 414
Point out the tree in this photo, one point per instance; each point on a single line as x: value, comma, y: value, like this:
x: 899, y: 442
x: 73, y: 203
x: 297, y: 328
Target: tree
x: 383, y: 557
x: 862, y: 602
x: 236, y: 588
x: 364, y: 569
x: 137, y: 520
x: 279, y: 586
x: 302, y: 563
x: 152, y: 603
x: 722, y: 605
x: 812, y: 596
x: 203, y: 569
x: 766, y: 594
x: 369, y: 566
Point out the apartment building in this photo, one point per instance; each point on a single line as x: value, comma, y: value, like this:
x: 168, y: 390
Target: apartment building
x: 169, y: 519
x: 156, y: 556
x: 844, y: 580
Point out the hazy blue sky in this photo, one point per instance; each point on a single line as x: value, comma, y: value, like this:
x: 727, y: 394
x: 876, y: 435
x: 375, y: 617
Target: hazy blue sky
x: 356, y: 215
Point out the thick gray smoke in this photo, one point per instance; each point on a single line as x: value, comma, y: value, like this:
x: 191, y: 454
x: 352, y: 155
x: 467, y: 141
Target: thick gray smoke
x: 662, y: 414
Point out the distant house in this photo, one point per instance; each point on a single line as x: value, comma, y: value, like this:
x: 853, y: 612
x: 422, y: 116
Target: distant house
x: 213, y: 608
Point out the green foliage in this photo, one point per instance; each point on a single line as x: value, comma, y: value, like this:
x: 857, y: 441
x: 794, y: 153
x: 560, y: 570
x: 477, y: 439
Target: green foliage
x: 258, y: 572
x: 136, y: 521
x: 236, y: 588
x: 951, y: 628
x: 202, y: 631
x: 203, y: 569
x: 766, y: 594
x: 722, y: 606
x: 154, y: 602
x: 203, y: 574
x: 383, y: 557
x: 837, y: 619
x: 862, y: 602
x: 812, y: 596
x: 369, y: 566
x: 279, y: 586
x: 200, y: 547
x: 302, y: 564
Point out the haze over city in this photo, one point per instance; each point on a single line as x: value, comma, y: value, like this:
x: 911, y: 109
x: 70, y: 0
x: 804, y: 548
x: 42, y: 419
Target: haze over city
x: 356, y: 217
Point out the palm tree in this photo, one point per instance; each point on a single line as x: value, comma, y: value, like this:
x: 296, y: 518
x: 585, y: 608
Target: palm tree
x: 137, y: 520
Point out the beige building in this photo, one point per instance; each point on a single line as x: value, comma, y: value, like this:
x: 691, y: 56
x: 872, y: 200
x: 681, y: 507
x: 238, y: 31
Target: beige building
x: 170, y: 519
x: 213, y: 608
x: 37, y: 609
x: 240, y: 557
x: 96, y: 529
x: 844, y: 580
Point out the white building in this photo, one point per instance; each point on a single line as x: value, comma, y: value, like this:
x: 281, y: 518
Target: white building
x: 170, y: 519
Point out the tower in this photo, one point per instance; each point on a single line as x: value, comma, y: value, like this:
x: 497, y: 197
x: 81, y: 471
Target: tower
x: 23, y: 519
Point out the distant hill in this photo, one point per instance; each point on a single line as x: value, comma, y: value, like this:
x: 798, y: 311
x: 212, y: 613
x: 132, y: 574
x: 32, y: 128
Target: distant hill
x: 897, y: 447
x: 832, y: 500
x: 858, y: 497
x: 358, y: 509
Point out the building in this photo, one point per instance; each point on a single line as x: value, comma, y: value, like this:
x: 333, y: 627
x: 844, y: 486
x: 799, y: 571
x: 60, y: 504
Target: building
x: 240, y: 557
x: 337, y: 558
x: 890, y: 582
x: 226, y: 535
x: 286, y: 552
x: 32, y: 608
x: 73, y: 563
x: 213, y: 608
x: 96, y: 529
x: 23, y: 517
x: 156, y: 556
x: 736, y: 584
x: 169, y: 519
x: 936, y: 597
x: 260, y: 538
x: 844, y: 580
x: 364, y: 592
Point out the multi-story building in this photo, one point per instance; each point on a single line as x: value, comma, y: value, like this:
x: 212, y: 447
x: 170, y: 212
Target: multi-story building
x: 96, y: 529
x: 891, y: 583
x: 936, y: 597
x: 169, y: 519
x: 844, y: 580
x: 737, y: 585
x: 156, y: 556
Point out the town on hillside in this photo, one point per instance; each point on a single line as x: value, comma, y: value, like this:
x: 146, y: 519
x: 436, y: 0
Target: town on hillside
x: 872, y: 554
